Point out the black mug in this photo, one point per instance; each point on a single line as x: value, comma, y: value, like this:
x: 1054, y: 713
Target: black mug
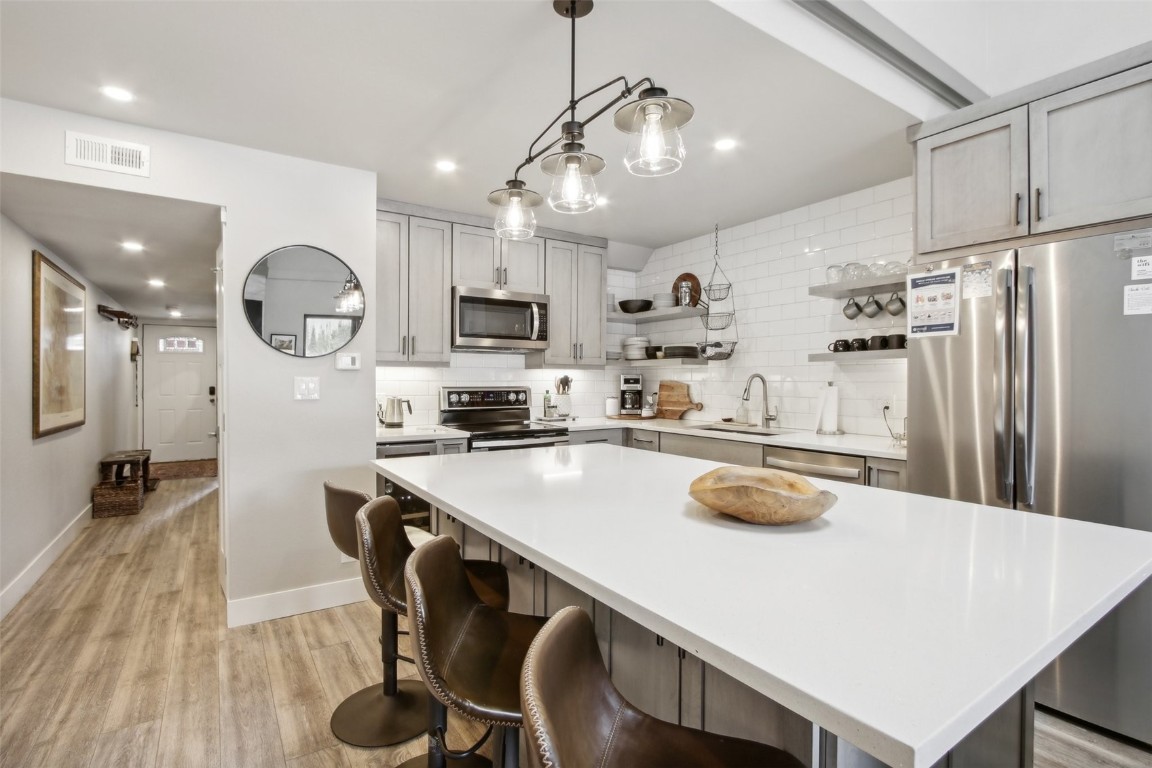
x: 840, y: 345
x: 859, y: 345
x: 878, y: 342
x: 897, y: 341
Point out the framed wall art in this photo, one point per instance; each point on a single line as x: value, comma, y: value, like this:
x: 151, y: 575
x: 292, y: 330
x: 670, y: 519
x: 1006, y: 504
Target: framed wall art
x: 324, y: 334
x: 58, y: 342
x: 284, y: 342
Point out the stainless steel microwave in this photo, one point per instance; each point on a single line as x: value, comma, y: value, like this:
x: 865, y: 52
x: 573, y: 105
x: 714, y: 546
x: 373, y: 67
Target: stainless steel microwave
x: 485, y: 319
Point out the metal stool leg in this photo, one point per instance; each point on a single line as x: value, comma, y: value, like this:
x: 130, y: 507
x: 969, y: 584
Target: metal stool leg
x: 384, y: 714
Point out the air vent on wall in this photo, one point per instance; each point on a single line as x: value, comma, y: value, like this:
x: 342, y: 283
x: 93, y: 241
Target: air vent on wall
x: 107, y: 154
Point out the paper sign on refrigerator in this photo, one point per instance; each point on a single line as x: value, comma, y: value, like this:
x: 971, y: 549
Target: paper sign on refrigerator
x: 934, y: 303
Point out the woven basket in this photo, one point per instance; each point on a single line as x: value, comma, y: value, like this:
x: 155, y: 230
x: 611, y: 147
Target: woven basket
x: 112, y: 500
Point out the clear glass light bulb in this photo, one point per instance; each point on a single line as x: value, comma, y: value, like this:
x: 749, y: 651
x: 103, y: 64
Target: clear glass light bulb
x: 514, y: 221
x: 652, y: 144
x: 572, y: 183
x: 574, y: 191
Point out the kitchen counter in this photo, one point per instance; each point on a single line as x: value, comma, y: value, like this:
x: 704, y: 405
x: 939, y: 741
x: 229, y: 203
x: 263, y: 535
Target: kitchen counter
x: 896, y: 621
x: 855, y: 445
x: 415, y: 434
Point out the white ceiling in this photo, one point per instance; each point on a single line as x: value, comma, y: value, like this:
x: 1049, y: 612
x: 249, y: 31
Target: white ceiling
x: 86, y: 225
x: 393, y: 86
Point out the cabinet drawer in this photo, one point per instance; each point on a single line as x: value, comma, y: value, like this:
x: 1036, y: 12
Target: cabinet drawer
x: 826, y: 466
x: 713, y: 449
x: 644, y: 439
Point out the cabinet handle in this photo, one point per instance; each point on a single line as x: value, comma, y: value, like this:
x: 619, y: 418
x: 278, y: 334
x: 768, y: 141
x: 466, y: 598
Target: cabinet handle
x: 404, y: 345
x: 581, y: 350
x: 1019, y: 197
x: 497, y: 280
x: 642, y: 440
x: 1037, y: 203
x: 413, y: 345
x: 659, y: 641
x: 573, y: 350
x: 505, y: 275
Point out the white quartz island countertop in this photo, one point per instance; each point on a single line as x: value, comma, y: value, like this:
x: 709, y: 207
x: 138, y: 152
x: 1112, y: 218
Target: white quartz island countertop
x: 898, y: 622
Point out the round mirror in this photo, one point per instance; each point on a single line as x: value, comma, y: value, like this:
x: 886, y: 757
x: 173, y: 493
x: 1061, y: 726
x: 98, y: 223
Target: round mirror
x: 303, y: 301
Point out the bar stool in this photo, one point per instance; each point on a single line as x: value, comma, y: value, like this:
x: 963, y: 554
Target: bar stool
x: 576, y: 717
x: 378, y: 715
x: 468, y: 654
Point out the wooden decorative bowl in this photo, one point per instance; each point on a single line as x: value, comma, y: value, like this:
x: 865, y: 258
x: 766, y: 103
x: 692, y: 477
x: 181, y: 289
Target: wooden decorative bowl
x: 761, y: 496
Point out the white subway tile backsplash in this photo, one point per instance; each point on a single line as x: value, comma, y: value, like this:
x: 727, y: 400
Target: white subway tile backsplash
x: 771, y: 262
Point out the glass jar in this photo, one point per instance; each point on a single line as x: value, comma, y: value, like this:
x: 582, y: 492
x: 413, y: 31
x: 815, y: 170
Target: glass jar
x: 685, y: 293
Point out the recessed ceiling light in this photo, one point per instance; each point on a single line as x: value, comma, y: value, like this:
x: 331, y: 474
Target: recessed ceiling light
x: 116, y: 93
x: 175, y: 313
x: 725, y: 144
x: 156, y: 283
x: 445, y: 165
x: 132, y: 245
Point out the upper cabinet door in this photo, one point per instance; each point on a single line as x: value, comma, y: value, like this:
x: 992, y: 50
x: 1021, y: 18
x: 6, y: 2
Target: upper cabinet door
x: 561, y: 308
x: 391, y: 304
x: 523, y: 265
x: 591, y: 287
x: 1092, y: 152
x: 475, y: 257
x: 430, y: 303
x: 972, y: 183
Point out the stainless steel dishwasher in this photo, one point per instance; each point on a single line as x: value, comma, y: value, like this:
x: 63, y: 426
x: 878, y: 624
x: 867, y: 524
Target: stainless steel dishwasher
x: 828, y: 466
x: 413, y: 509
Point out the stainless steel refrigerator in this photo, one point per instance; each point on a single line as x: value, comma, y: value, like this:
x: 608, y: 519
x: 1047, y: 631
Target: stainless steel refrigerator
x: 1043, y: 402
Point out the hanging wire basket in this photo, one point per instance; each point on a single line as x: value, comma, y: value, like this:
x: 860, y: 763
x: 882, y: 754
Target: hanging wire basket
x: 717, y: 350
x: 718, y: 321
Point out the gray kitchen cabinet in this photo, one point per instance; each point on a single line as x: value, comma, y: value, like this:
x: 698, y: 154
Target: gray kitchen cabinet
x: 733, y: 709
x: 1091, y: 152
x: 972, y: 183
x: 477, y: 546
x: 644, y: 439
x: 451, y: 446
x: 645, y: 668
x: 887, y: 473
x: 446, y: 525
x: 559, y: 594
x: 481, y: 259
x: 1072, y: 159
x: 522, y: 577
x: 413, y: 258
x: 828, y: 466
x: 609, y: 436
x: 713, y: 449
x: 575, y: 279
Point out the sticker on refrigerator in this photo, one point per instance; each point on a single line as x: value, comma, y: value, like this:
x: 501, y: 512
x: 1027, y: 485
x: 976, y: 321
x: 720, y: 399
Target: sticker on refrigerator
x: 934, y: 303
x: 977, y: 280
x: 1142, y: 267
x: 1138, y: 299
x: 1132, y: 241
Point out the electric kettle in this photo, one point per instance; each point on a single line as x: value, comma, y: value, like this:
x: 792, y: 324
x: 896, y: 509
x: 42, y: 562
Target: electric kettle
x: 394, y: 411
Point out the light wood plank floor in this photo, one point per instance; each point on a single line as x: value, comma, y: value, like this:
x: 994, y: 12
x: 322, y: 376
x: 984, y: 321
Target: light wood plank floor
x: 119, y: 656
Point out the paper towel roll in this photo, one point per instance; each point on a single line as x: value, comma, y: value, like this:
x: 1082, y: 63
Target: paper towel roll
x: 828, y: 410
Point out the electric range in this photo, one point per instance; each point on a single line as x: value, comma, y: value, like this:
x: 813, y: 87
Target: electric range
x: 497, y: 419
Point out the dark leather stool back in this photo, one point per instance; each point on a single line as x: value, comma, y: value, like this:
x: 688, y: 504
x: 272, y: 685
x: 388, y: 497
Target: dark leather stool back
x: 341, y: 505
x: 575, y: 717
x: 384, y: 549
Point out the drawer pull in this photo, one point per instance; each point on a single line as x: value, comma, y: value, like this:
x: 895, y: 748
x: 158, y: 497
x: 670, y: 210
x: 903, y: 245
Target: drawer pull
x: 815, y: 469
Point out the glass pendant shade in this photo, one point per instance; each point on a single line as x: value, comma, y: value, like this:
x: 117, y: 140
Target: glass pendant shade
x: 351, y: 298
x: 654, y: 144
x: 573, y: 186
x: 515, y: 221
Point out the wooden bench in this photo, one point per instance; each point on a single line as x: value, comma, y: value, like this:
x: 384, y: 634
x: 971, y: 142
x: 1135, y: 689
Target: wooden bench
x: 124, y: 478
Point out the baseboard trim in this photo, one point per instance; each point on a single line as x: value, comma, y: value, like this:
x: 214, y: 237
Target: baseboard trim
x: 27, y: 578
x: 276, y: 605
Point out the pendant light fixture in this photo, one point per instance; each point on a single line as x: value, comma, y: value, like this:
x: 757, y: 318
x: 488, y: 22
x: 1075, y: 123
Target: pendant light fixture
x: 654, y: 149
x: 350, y: 300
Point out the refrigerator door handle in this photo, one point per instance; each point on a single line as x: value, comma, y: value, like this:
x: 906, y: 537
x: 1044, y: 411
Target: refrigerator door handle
x: 1026, y: 382
x: 1002, y: 385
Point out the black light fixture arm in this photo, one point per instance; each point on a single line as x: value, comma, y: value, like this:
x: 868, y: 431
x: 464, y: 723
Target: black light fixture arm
x: 534, y: 154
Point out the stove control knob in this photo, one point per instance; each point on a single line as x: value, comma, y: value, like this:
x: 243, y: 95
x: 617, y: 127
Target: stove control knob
x: 464, y: 398
x: 510, y: 396
x: 453, y: 398
x: 523, y: 397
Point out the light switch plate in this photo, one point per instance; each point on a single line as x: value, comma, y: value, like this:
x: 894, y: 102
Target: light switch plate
x: 307, y: 388
x: 347, y: 361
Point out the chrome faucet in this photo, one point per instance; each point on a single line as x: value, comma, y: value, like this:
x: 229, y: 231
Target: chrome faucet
x: 769, y: 415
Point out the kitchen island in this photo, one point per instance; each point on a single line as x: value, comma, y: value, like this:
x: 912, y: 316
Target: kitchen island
x: 897, y: 622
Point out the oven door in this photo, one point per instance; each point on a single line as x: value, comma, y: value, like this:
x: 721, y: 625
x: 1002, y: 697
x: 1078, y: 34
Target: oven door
x: 513, y: 443
x: 487, y: 319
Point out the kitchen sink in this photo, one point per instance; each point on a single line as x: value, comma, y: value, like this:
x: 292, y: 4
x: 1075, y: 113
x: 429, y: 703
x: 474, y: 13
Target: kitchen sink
x: 742, y: 429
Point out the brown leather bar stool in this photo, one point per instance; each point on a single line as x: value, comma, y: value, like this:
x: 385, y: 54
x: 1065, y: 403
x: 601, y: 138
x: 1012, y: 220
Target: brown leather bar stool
x: 395, y: 711
x: 383, y: 550
x: 575, y: 717
x: 468, y: 654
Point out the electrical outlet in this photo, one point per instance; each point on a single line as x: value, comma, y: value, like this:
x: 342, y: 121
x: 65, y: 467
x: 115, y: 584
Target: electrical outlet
x: 882, y: 402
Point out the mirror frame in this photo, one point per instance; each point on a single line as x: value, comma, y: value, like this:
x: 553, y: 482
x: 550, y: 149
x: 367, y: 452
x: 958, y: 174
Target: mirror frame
x: 358, y: 320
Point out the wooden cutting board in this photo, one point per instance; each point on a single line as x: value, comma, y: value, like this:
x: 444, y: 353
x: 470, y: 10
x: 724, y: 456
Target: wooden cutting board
x: 674, y: 400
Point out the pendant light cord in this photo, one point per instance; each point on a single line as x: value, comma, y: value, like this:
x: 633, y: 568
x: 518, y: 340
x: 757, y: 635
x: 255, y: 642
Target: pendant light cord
x: 572, y: 83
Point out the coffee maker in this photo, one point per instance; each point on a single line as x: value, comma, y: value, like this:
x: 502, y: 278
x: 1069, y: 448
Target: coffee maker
x: 631, y: 394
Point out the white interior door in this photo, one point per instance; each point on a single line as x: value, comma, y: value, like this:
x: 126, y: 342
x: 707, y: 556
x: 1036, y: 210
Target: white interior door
x: 179, y: 389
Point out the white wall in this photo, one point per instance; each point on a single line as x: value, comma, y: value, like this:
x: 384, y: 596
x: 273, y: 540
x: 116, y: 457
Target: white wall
x: 278, y: 450
x: 46, y: 484
x: 771, y: 262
